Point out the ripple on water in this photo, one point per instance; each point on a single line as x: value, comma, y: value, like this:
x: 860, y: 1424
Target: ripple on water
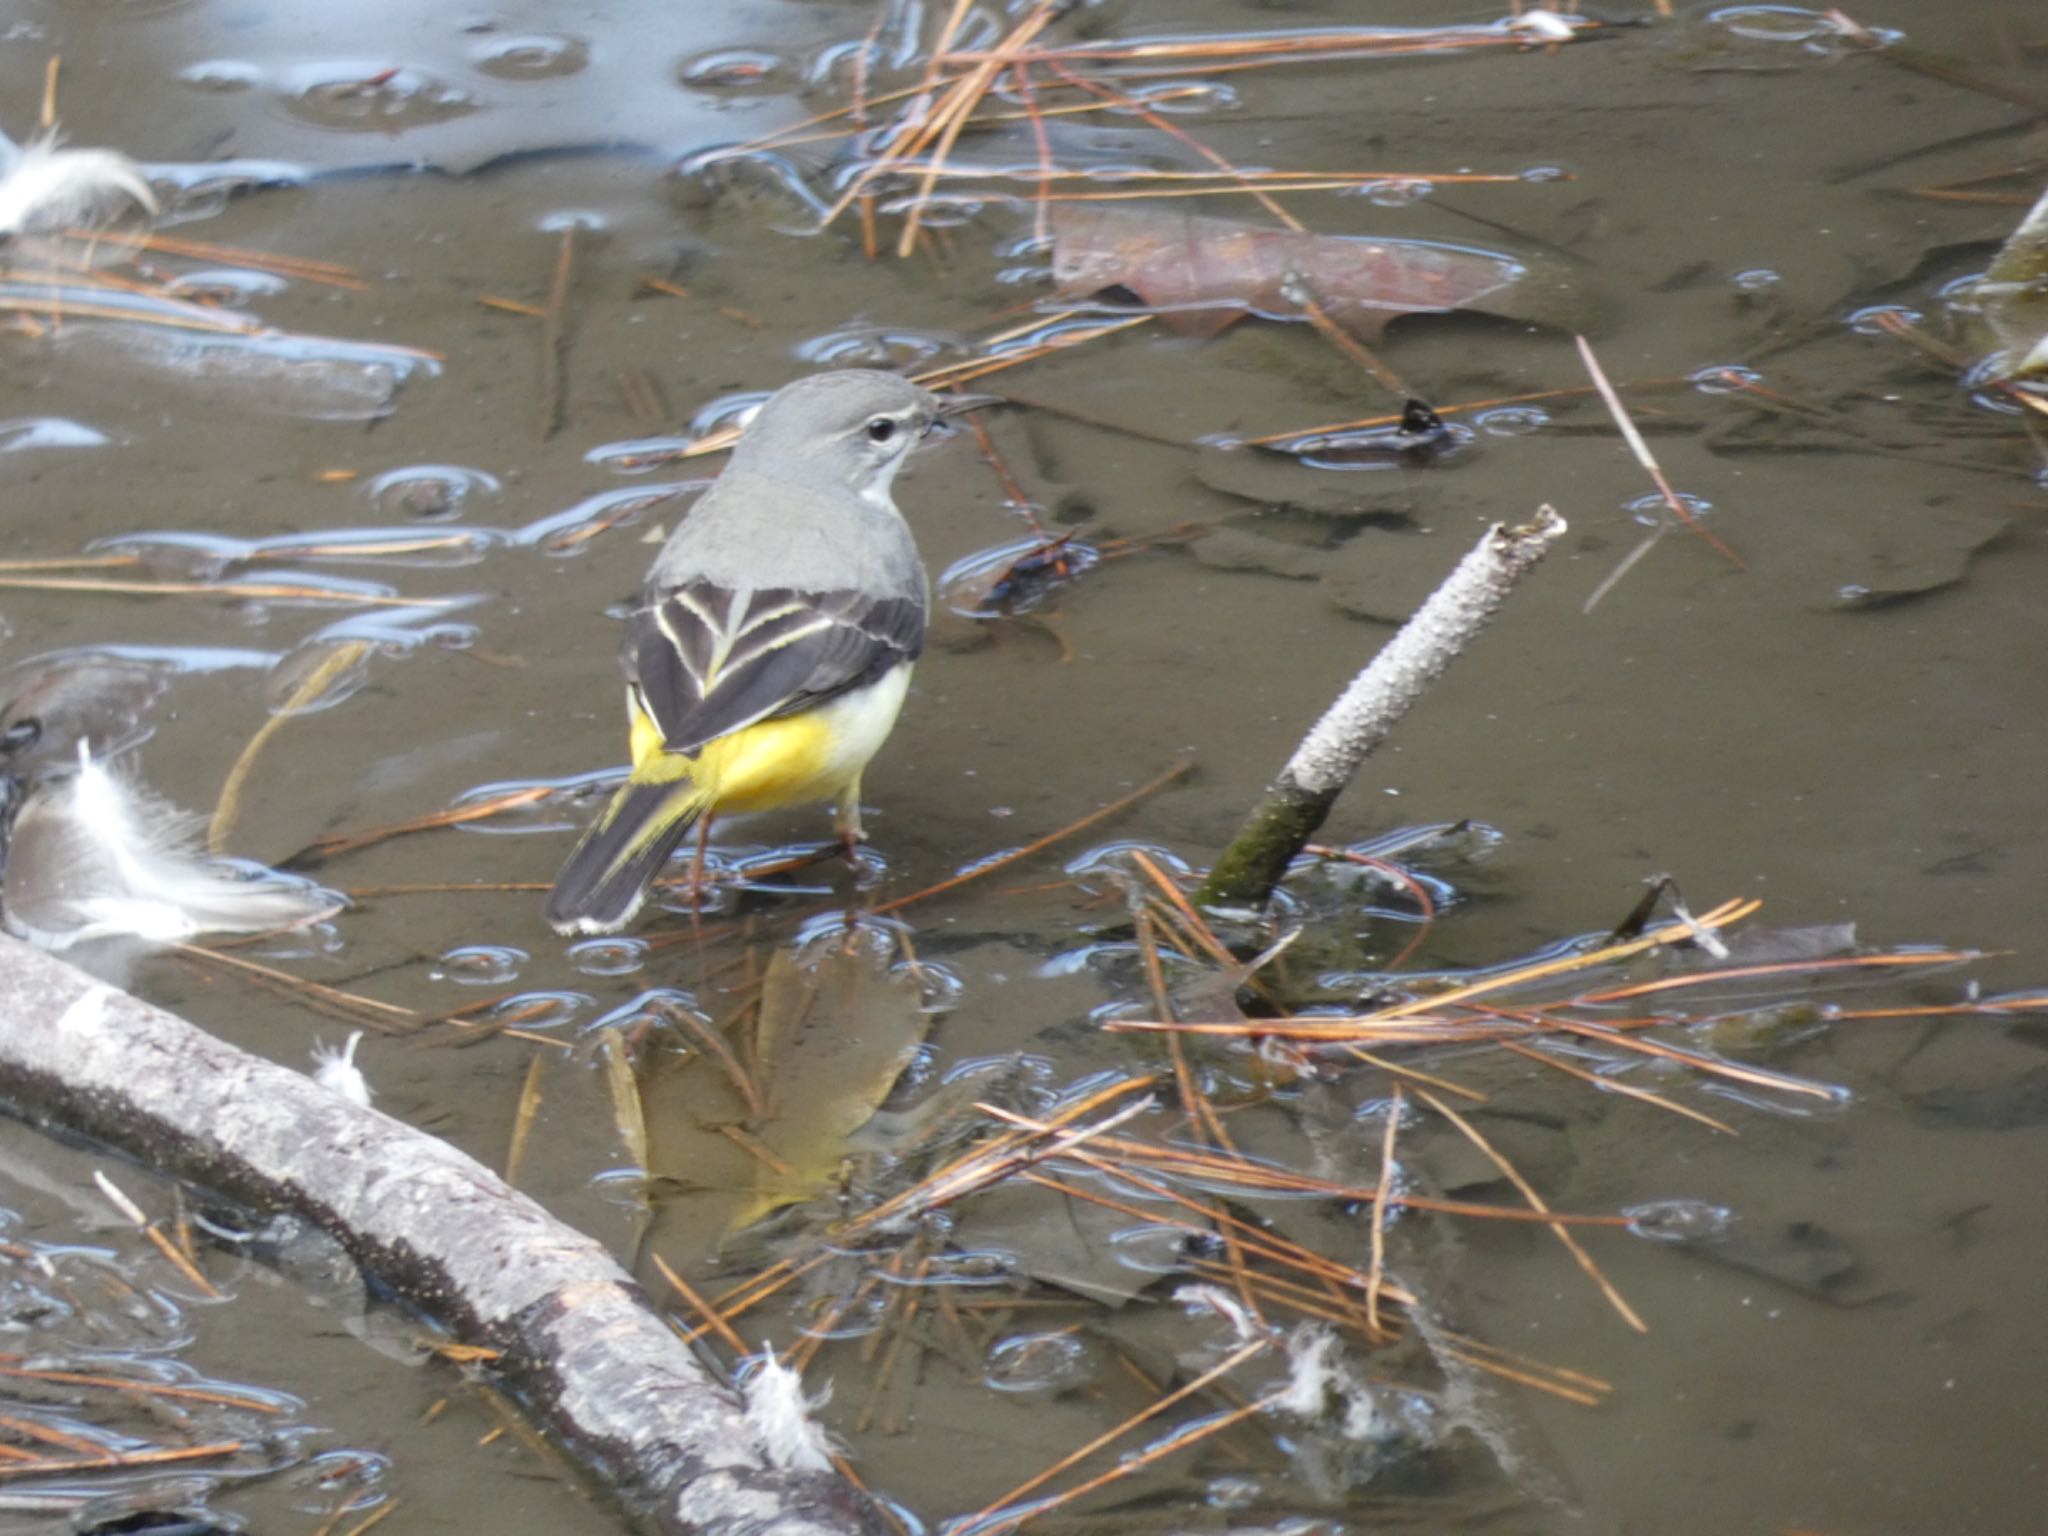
x: 638, y: 455
x: 226, y: 287
x: 1652, y: 512
x: 370, y: 96
x: 1811, y: 31
x: 878, y: 346
x: 1039, y: 1362
x: 612, y: 956
x: 430, y: 493
x: 222, y: 76
x: 1011, y: 579
x: 531, y: 56
x: 25, y: 432
x: 340, y: 1481
x: 731, y: 72
x: 480, y: 965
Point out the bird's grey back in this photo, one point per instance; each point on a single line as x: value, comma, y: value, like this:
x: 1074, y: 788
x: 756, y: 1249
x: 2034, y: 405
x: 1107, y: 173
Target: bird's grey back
x: 755, y: 529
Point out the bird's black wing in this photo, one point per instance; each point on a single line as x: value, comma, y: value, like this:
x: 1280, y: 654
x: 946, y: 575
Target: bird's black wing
x: 706, y: 660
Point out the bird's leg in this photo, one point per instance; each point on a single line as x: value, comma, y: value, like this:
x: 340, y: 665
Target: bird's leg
x: 697, y: 876
x: 846, y: 822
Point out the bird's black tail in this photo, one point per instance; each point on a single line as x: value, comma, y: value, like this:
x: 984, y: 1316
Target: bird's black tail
x: 606, y: 877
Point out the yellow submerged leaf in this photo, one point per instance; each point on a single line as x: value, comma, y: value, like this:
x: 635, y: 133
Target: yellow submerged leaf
x: 836, y: 1031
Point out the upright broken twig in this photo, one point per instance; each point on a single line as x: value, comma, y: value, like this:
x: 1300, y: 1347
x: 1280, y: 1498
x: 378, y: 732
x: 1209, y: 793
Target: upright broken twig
x: 1298, y: 801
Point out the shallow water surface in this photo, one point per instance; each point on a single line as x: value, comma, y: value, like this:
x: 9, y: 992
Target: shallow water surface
x: 1845, y: 726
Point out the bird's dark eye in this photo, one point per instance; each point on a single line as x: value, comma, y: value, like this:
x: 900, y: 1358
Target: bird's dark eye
x: 882, y: 429
x: 20, y: 736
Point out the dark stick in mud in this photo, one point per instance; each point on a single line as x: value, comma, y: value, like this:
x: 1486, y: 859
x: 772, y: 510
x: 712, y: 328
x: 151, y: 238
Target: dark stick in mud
x: 574, y: 1338
x: 1296, y: 804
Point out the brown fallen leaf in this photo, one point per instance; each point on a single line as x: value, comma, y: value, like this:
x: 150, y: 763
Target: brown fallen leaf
x: 1204, y: 273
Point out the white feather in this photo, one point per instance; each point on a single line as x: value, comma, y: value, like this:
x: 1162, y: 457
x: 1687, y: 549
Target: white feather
x: 46, y: 188
x: 91, y: 856
x: 780, y: 1416
x: 1313, y: 1373
x: 337, y: 1071
x: 1543, y: 26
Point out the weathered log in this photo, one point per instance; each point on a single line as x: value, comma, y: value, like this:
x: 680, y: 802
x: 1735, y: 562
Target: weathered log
x: 579, y: 1345
x: 1296, y: 804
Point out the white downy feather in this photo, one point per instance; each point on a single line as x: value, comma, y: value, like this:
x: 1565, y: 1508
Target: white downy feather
x: 337, y: 1072
x: 45, y: 188
x: 780, y: 1416
x: 94, y: 857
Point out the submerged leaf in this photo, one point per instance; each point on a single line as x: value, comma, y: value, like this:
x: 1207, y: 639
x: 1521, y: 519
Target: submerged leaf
x: 836, y: 1031
x: 1205, y: 273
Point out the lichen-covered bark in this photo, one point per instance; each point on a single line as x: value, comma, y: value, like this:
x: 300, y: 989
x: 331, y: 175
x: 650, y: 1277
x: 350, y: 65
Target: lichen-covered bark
x: 598, y: 1370
x: 1368, y: 709
x: 1278, y: 828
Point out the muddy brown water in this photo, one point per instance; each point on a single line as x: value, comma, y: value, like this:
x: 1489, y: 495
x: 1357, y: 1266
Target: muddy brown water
x: 1850, y: 729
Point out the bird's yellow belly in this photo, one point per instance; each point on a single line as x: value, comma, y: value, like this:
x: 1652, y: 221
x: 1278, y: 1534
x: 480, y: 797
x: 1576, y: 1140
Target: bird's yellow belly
x: 794, y: 760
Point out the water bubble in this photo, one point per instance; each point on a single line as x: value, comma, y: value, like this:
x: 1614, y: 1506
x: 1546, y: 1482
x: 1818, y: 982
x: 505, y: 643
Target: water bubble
x: 738, y: 71
x: 1723, y: 379
x: 24, y: 432
x: 1157, y: 1248
x: 480, y: 965
x: 855, y: 57
x: 1115, y: 859
x: 1983, y: 378
x: 1652, y: 512
x: 734, y: 410
x: 1755, y: 280
x: 638, y: 455
x: 659, y: 1008
x: 346, y: 668
x: 1960, y: 295
x: 608, y: 956
x: 338, y: 1481
x: 539, y: 1010
x: 532, y: 56
x: 1543, y: 173
x: 1038, y: 1362
x: 940, y: 210
x: 571, y: 531
x: 227, y: 287
x: 939, y: 987
x: 1678, y: 1221
x: 1010, y: 579
x: 1773, y: 23
x: 1396, y: 191
x: 1823, y: 34
x: 371, y: 96
x: 1512, y: 420
x: 876, y: 346
x: 1186, y: 98
x: 1877, y: 319
x: 1434, y: 441
x: 221, y: 75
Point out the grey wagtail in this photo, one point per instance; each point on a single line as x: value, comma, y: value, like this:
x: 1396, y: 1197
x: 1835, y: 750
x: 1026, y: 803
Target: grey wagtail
x: 772, y: 643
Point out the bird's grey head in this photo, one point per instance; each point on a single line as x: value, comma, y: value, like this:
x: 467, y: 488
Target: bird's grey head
x: 852, y: 427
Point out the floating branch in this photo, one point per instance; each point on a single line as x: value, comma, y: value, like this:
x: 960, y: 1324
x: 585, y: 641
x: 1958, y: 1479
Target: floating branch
x: 601, y: 1372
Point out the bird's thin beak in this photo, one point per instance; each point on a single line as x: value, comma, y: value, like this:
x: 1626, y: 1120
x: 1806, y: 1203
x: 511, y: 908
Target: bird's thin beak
x: 951, y: 406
